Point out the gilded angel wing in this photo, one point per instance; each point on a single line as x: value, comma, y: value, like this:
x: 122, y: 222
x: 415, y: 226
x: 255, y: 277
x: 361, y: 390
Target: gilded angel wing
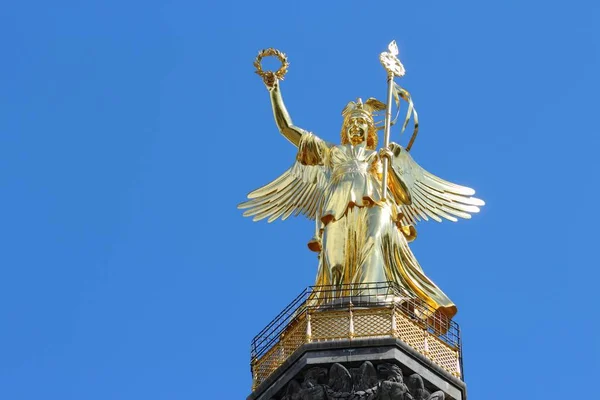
x: 428, y: 195
x: 297, y: 190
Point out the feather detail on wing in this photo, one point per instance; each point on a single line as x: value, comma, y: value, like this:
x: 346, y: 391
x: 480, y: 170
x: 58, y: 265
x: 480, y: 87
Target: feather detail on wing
x: 423, y: 195
x: 297, y: 190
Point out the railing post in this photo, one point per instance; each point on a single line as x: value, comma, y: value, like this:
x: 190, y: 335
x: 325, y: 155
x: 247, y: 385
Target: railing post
x: 426, y: 344
x: 459, y: 355
x: 281, y: 344
x: 254, y: 374
x: 351, y: 321
x: 393, y: 332
x: 308, y: 328
x: 457, y: 373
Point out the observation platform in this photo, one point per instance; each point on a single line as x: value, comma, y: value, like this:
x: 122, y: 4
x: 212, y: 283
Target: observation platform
x: 376, y: 324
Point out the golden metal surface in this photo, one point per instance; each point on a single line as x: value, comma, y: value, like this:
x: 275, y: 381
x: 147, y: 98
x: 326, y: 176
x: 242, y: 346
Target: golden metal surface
x: 280, y: 73
x: 327, y: 325
x: 361, y: 234
x: 391, y: 63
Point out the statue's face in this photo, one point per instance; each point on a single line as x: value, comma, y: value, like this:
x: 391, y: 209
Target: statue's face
x: 357, y: 129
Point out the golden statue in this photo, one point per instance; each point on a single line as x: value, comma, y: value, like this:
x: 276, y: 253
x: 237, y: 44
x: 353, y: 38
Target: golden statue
x: 362, y: 227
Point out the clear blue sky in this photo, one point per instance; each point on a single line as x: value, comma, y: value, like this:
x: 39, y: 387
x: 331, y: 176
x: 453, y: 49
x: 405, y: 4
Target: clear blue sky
x: 129, y: 132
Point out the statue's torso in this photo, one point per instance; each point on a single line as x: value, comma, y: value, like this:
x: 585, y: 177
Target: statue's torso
x: 354, y: 179
x: 348, y: 159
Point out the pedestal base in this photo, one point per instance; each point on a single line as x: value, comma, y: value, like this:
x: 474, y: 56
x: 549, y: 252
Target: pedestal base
x: 365, y: 369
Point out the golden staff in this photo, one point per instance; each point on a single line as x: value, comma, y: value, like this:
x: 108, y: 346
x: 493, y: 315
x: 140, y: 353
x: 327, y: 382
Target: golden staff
x: 394, y: 68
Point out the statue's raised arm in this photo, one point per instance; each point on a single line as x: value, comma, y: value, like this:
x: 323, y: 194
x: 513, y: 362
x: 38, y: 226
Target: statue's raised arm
x: 271, y: 80
x: 281, y: 115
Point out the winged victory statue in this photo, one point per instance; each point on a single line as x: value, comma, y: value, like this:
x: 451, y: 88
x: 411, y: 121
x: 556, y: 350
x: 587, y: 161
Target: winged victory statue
x: 362, y: 227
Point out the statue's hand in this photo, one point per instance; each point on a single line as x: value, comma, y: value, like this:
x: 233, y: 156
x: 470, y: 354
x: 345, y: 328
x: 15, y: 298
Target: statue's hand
x: 270, y: 80
x: 385, y: 152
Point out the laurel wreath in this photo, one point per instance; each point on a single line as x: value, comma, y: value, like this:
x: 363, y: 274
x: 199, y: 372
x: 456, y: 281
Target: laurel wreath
x: 280, y: 73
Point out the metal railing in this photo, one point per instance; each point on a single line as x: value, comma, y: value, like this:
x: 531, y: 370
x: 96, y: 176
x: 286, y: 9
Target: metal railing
x: 381, y: 309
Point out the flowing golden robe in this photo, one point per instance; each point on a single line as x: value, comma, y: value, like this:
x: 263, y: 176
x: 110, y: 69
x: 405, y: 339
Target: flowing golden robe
x: 362, y: 238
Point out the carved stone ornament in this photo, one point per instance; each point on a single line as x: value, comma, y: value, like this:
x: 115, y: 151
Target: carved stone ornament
x: 385, y: 382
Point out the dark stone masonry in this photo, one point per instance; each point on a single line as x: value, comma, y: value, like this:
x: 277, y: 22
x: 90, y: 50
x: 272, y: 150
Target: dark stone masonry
x: 366, y: 369
x: 386, y: 382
